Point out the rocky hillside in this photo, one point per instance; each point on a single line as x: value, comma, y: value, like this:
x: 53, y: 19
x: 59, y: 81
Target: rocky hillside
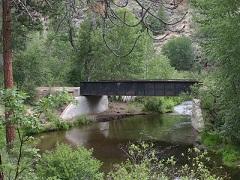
x: 184, y: 25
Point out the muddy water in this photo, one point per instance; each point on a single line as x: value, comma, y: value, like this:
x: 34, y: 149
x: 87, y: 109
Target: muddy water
x: 172, y: 134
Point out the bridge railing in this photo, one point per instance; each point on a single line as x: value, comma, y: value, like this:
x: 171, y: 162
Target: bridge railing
x: 136, y: 88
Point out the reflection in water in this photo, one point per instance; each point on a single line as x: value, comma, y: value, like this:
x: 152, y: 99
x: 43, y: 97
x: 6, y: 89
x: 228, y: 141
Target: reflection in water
x: 106, y: 138
x: 173, y: 135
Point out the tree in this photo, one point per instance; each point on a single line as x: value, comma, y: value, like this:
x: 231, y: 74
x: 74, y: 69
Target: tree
x: 94, y: 61
x: 219, y: 35
x: 159, y: 68
x: 7, y: 62
x: 46, y: 61
x: 180, y: 52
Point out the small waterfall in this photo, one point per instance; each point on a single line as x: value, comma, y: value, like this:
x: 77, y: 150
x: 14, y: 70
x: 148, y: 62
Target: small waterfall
x: 184, y: 108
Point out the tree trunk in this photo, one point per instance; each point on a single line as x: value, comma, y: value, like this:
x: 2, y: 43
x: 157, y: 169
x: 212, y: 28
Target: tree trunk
x: 1, y: 173
x: 7, y: 61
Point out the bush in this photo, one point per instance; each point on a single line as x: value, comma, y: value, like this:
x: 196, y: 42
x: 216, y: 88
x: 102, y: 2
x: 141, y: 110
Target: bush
x: 230, y: 154
x: 153, y: 104
x: 161, y: 104
x: 180, y: 52
x: 211, y: 139
x: 48, y: 106
x: 143, y: 164
x: 65, y: 163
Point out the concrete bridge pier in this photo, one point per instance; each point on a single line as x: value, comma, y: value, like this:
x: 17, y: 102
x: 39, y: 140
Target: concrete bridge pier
x: 84, y: 105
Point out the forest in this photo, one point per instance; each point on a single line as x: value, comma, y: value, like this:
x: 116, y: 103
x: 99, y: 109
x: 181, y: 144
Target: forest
x: 60, y: 43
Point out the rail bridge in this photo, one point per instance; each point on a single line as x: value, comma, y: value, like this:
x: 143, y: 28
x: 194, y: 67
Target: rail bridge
x: 136, y: 87
x: 94, y: 95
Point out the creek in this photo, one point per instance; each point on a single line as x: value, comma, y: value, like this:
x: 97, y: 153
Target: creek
x: 172, y: 134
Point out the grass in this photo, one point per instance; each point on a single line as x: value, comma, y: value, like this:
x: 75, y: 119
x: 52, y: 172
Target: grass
x: 230, y: 153
x: 58, y: 125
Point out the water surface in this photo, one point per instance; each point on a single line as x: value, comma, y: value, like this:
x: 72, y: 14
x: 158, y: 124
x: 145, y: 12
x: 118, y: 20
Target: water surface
x: 107, y: 138
x: 172, y: 134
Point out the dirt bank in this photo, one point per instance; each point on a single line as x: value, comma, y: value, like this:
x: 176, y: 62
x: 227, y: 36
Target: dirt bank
x: 119, y: 110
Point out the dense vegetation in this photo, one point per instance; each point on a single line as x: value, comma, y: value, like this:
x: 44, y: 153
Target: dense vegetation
x: 180, y: 52
x: 66, y: 163
x: 218, y: 24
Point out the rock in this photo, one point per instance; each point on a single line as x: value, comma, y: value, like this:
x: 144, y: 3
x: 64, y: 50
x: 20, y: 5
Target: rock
x: 197, y: 118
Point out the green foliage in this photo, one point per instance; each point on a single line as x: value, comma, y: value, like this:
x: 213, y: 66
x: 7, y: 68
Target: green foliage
x: 50, y: 105
x: 66, y: 163
x: 159, y: 68
x: 153, y: 104
x: 2, y: 136
x: 218, y: 34
x: 13, y: 100
x: 231, y: 155
x: 161, y: 104
x: 180, y: 52
x: 94, y: 61
x: 210, y: 104
x: 211, y: 139
x: 29, y: 67
x: 17, y: 162
x: 144, y: 164
x: 43, y: 62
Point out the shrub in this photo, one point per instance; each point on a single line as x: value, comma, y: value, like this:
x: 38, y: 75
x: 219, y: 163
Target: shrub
x: 144, y: 164
x: 153, y: 104
x: 211, y: 139
x: 161, y: 104
x: 180, y: 52
x: 48, y: 106
x: 65, y: 163
x: 230, y: 154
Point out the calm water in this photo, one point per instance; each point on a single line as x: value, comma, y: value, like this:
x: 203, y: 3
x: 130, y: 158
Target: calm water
x: 172, y: 134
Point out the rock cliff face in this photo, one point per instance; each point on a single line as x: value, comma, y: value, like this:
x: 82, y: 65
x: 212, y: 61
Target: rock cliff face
x: 172, y: 16
x: 185, y: 24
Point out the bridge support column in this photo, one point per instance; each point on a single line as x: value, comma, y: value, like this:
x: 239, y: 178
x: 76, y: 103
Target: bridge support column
x: 85, y: 105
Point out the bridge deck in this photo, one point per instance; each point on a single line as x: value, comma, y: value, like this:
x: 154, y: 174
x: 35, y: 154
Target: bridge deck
x: 136, y: 87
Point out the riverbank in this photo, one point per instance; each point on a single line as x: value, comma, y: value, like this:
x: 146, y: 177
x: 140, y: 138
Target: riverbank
x: 119, y: 110
x: 230, y: 153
